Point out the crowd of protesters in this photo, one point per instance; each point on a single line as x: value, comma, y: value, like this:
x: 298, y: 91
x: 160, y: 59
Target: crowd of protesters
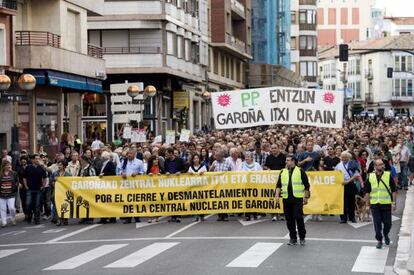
x: 27, y: 184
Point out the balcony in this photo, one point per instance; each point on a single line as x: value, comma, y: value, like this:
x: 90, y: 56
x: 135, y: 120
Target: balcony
x: 307, y: 27
x: 308, y: 52
x: 42, y: 50
x: 8, y: 7
x: 37, y: 38
x: 311, y: 79
x: 131, y: 50
x: 238, y: 9
x: 307, y: 2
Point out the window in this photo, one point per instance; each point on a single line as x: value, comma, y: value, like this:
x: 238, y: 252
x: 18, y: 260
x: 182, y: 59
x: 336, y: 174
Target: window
x: 307, y: 17
x: 396, y: 87
x: 180, y: 46
x: 187, y: 45
x: 409, y: 87
x: 409, y: 63
x: 302, y: 17
x: 170, y: 43
x: 307, y: 42
x: 403, y: 87
x: 403, y: 64
x: 3, y: 46
x: 397, y: 66
x: 93, y: 105
x: 358, y: 67
x: 308, y: 68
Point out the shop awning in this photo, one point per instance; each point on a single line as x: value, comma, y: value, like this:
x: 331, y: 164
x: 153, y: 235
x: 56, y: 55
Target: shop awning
x: 66, y: 80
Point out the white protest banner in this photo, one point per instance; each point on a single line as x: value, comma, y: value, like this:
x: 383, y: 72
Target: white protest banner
x: 134, y: 135
x: 142, y: 135
x: 127, y: 132
x: 170, y: 137
x: 185, y: 135
x: 158, y: 139
x: 277, y: 105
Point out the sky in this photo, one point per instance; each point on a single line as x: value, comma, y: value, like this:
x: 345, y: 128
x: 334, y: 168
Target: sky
x: 398, y: 7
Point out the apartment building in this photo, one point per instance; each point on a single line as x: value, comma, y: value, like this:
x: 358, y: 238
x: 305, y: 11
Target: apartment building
x: 159, y: 43
x: 50, y: 42
x: 343, y: 21
x: 8, y: 10
x: 230, y: 44
x: 303, y: 42
x: 365, y: 75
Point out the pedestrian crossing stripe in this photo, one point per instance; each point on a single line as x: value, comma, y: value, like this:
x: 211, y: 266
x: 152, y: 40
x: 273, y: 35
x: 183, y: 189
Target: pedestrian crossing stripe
x: 370, y: 259
x: 141, y: 255
x: 86, y: 257
x: 255, y: 255
x: 8, y: 252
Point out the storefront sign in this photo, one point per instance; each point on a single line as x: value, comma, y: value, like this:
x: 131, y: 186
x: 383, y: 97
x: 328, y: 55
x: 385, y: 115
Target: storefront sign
x: 181, y: 100
x: 277, y: 105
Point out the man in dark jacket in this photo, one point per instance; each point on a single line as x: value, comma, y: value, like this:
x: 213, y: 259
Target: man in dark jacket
x: 108, y: 169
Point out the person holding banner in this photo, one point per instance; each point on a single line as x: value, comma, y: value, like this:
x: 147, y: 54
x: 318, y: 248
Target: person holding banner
x: 293, y: 186
x: 197, y: 168
x: 250, y: 165
x: 381, y: 195
x: 131, y: 166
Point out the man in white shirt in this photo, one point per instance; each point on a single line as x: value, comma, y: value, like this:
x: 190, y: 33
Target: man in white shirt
x: 131, y: 166
x: 403, y: 154
x: 235, y: 160
x: 96, y: 144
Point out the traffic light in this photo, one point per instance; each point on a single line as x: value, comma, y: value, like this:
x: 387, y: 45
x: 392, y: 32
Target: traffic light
x: 390, y: 72
x: 343, y: 52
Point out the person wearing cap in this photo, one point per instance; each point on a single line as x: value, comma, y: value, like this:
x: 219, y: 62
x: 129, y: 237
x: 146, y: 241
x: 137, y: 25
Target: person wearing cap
x: 293, y: 186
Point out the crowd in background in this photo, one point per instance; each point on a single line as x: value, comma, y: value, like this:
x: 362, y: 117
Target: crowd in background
x: 27, y: 183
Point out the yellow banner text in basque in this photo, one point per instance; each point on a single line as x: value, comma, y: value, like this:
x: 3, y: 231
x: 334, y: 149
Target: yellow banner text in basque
x: 228, y: 192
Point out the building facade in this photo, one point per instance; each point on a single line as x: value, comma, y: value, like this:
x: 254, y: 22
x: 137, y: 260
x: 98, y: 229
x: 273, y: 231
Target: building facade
x: 50, y: 42
x: 8, y: 10
x: 303, y: 42
x: 159, y: 43
x: 343, y: 21
x: 365, y: 75
x: 230, y: 44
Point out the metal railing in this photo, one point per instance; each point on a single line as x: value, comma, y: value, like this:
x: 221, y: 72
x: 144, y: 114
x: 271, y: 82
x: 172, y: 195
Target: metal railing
x: 236, y: 43
x: 307, y: 2
x: 8, y: 4
x: 305, y: 52
x: 307, y: 27
x: 37, y: 38
x: 95, y: 51
x: 131, y: 50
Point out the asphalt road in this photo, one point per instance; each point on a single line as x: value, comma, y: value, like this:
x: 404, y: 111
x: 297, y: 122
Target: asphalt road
x: 210, y: 247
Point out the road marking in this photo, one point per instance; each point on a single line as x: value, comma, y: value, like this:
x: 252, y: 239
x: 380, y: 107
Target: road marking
x: 74, y: 233
x: 8, y: 252
x: 145, y: 224
x: 86, y: 257
x: 185, y: 228
x: 231, y: 238
x: 359, y: 224
x: 54, y: 230
x: 247, y: 223
x: 255, y: 255
x: 35, y: 226
x: 394, y: 218
x: 141, y: 255
x: 371, y: 259
x: 14, y: 233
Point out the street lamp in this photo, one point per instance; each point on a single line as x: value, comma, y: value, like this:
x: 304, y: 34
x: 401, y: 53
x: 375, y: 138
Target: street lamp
x: 25, y: 82
x: 149, y: 91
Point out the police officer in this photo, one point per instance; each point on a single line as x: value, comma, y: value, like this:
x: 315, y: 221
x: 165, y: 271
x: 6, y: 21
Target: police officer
x: 381, y: 194
x: 293, y: 187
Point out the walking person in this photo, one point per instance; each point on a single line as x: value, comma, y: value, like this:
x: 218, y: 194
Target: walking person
x: 87, y: 170
x: 381, y: 195
x: 108, y: 169
x: 250, y: 165
x: 9, y: 183
x: 34, y: 182
x: 60, y: 172
x: 293, y: 187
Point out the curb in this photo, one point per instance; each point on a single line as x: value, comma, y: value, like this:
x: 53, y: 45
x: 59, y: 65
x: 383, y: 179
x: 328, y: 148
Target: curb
x: 404, y: 260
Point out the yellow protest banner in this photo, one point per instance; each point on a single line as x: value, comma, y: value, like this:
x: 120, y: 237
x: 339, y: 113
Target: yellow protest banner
x: 227, y: 192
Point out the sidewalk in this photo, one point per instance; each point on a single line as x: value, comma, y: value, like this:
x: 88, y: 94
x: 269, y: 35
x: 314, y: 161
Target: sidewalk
x: 404, y: 260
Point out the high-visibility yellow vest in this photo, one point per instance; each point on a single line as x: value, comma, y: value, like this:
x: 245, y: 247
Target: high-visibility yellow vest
x: 298, y: 188
x: 379, y: 193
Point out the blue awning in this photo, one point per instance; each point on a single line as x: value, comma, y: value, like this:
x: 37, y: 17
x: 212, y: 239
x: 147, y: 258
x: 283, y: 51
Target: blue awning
x: 66, y: 80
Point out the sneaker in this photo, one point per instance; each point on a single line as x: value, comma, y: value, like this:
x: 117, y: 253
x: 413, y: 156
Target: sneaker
x: 379, y: 245
x: 319, y: 218
x: 302, y: 242
x: 387, y: 240
x: 3, y: 225
x: 14, y: 221
x: 292, y: 242
x: 274, y: 219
